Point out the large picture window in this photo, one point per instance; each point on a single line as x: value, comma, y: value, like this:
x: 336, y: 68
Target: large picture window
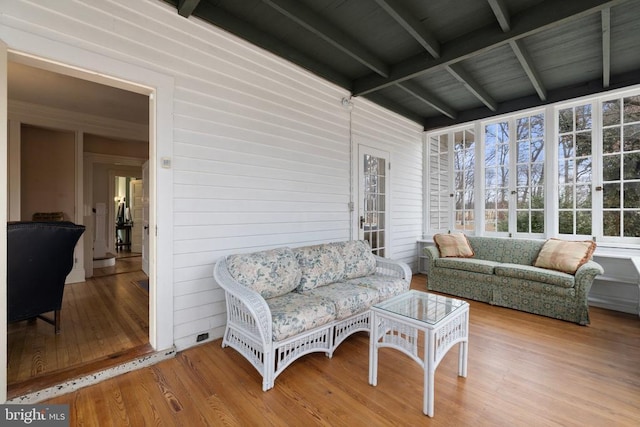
x: 578, y: 179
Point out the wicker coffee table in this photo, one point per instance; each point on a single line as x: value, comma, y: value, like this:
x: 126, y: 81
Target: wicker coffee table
x: 396, y: 322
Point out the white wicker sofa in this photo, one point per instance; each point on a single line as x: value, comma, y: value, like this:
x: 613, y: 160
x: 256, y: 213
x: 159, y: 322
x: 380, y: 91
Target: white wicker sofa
x: 285, y: 303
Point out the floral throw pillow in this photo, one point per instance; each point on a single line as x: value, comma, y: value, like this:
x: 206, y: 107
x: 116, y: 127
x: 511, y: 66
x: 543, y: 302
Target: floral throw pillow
x: 271, y: 273
x: 453, y: 245
x: 564, y: 255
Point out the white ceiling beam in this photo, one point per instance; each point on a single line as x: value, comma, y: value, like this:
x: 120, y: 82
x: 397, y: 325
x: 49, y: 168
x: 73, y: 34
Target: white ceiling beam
x: 316, y: 24
x: 501, y: 13
x: 472, y: 86
x: 529, y: 68
x: 412, y: 25
x: 606, y: 47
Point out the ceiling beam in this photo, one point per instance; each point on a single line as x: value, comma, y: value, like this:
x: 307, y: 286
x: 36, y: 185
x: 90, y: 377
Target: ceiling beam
x: 457, y: 71
x: 316, y: 24
x: 501, y: 13
x: 428, y: 98
x: 528, y: 65
x: 252, y: 34
x: 557, y: 95
x: 412, y: 25
x: 543, y: 16
x: 186, y: 7
x: 383, y: 101
x: 606, y: 47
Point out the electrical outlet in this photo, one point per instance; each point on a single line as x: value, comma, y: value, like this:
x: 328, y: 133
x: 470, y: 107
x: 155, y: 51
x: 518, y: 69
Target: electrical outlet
x: 202, y: 337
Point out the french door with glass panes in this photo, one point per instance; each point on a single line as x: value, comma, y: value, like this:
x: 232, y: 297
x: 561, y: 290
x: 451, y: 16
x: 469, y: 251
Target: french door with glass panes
x: 373, y: 185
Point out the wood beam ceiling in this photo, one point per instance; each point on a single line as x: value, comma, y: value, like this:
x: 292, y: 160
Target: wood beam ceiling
x: 529, y: 68
x: 606, y: 47
x: 618, y: 81
x: 319, y: 26
x: 548, y: 14
x: 229, y: 22
x: 412, y: 25
x: 501, y: 13
x: 186, y: 7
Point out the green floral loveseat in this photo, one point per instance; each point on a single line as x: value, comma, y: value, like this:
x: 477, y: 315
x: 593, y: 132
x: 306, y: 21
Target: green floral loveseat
x: 284, y: 303
x: 501, y: 272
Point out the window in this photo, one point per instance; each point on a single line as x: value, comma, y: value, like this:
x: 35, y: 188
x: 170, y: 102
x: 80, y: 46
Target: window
x: 496, y: 182
x: 530, y: 174
x: 464, y: 163
x: 585, y: 184
x: 621, y: 167
x: 575, y: 170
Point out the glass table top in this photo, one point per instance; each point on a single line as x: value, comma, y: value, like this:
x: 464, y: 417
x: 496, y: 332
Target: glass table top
x: 422, y: 306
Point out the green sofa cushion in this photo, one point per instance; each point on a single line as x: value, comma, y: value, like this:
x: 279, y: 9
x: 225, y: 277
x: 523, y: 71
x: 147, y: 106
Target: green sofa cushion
x: 536, y: 274
x: 467, y: 264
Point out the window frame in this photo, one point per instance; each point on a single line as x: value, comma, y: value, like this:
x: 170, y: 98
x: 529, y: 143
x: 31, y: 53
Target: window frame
x: 551, y: 189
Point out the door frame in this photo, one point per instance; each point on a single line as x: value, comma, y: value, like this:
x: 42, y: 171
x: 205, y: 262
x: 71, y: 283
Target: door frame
x: 360, y: 147
x: 88, y: 65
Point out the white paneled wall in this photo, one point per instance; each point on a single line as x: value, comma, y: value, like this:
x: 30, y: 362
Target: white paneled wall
x: 260, y: 148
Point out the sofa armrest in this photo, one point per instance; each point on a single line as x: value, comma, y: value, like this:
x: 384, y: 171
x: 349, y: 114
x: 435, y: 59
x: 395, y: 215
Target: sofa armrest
x: 584, y: 277
x: 246, y: 309
x: 390, y: 267
x: 431, y: 253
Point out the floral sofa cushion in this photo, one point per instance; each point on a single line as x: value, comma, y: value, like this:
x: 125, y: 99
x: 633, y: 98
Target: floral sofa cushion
x: 294, y: 313
x: 358, y: 259
x: 320, y: 265
x: 385, y: 286
x: 348, y: 299
x: 271, y: 273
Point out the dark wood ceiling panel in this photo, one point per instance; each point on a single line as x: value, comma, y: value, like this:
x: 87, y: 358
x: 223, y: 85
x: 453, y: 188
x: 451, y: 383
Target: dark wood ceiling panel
x: 625, y: 37
x: 445, y: 86
x: 449, y: 61
x: 569, y: 54
x: 500, y: 73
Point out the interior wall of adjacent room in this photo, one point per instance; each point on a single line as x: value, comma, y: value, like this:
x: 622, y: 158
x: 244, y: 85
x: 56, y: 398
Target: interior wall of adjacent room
x: 47, y: 172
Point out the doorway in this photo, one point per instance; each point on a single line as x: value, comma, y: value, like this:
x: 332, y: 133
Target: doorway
x: 104, y: 317
x: 373, y: 185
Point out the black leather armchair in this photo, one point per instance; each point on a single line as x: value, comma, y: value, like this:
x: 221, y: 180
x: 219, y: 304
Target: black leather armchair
x: 39, y: 258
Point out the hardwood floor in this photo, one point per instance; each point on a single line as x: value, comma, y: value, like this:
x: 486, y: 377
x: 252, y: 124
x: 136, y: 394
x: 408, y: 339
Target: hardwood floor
x: 524, y: 370
x: 104, y: 320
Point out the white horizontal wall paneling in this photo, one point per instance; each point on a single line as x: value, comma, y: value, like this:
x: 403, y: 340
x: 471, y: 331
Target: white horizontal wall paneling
x: 403, y: 139
x: 260, y: 154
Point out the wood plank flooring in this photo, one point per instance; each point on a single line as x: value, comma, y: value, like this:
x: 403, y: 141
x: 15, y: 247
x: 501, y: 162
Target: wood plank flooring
x: 524, y: 370
x: 103, y: 319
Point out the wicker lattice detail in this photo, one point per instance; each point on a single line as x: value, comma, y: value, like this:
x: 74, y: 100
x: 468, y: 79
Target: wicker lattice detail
x: 244, y: 345
x: 291, y: 349
x: 348, y: 326
x: 390, y: 268
x: 400, y: 336
x: 449, y: 335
